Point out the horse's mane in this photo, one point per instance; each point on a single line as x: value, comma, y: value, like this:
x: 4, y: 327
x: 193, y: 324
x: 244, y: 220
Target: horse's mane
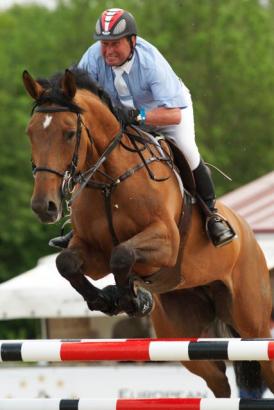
x: 83, y: 80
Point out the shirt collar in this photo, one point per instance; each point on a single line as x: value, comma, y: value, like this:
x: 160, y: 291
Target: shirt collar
x: 126, y: 67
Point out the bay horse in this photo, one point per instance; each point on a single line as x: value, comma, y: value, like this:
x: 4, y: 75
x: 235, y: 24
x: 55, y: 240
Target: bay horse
x: 127, y: 222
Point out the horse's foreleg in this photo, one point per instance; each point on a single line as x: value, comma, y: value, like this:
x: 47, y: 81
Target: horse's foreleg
x: 72, y: 264
x: 153, y: 248
x: 133, y: 301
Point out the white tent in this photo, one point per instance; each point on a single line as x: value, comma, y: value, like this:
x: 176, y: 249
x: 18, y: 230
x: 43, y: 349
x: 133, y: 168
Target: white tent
x: 43, y: 293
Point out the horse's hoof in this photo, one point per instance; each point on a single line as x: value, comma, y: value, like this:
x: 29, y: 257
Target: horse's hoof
x: 144, y: 302
x: 107, y: 301
x: 138, y: 306
x: 111, y: 300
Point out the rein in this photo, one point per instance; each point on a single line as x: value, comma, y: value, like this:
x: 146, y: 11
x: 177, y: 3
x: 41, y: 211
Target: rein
x: 71, y: 177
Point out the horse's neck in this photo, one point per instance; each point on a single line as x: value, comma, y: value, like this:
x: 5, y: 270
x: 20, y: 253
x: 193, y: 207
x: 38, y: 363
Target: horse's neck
x: 104, y: 128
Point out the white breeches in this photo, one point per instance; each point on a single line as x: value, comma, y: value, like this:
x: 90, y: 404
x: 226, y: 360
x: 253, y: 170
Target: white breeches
x: 183, y: 135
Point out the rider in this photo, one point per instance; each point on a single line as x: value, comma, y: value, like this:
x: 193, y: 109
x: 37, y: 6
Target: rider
x: 147, y: 92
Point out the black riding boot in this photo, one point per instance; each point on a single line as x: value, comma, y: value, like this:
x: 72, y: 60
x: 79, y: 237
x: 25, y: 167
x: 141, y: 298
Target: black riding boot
x: 61, y: 242
x: 218, y: 229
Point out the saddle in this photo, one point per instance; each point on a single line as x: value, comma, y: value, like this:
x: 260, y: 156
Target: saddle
x: 183, y: 168
x: 178, y: 160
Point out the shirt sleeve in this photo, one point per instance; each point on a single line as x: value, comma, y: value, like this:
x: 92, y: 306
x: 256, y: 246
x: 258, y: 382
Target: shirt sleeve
x: 167, y: 89
x: 88, y: 62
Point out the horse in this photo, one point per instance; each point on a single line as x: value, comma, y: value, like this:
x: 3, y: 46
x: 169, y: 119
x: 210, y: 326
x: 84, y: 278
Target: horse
x: 130, y: 217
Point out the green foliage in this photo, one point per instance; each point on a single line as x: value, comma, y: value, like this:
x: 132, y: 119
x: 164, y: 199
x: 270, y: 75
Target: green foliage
x: 20, y: 329
x: 223, y: 51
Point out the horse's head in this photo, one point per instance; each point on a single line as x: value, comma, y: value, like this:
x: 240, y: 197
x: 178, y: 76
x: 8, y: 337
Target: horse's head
x: 59, y: 139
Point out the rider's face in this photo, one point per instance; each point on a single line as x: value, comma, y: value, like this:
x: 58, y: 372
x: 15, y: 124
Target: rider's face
x: 115, y: 52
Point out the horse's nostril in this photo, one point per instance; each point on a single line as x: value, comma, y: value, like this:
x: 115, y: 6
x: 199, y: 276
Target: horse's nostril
x: 46, y: 210
x: 52, y: 207
x: 38, y: 206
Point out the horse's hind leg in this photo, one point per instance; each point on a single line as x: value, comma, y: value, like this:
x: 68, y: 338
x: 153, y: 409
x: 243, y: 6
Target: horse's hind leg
x: 251, y: 307
x: 267, y: 369
x: 249, y: 372
x: 188, y: 313
x: 257, y: 328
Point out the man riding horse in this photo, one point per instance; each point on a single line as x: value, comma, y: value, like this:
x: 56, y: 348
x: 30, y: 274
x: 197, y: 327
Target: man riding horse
x: 145, y: 232
x: 147, y: 92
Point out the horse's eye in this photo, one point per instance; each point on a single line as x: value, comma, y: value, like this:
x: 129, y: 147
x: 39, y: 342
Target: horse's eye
x: 69, y: 134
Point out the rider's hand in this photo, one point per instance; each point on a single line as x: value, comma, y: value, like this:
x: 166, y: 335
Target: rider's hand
x: 127, y: 116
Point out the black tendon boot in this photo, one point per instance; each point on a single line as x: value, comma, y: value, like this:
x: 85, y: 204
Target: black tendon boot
x: 218, y: 229
x: 61, y: 242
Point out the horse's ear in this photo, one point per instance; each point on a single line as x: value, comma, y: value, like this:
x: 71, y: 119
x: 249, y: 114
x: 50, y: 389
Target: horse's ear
x: 32, y: 87
x: 68, y: 84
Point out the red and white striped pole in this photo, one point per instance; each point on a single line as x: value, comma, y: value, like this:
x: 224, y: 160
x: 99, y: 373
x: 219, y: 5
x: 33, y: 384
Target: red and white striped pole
x: 136, y: 404
x: 137, y: 350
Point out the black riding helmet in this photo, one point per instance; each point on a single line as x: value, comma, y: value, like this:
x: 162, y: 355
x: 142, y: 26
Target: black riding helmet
x: 114, y: 24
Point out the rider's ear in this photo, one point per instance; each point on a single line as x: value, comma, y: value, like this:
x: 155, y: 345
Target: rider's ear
x: 133, y: 39
x: 68, y: 85
x: 32, y: 87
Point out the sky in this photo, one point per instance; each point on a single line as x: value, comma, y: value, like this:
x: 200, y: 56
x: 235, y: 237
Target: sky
x: 4, y: 4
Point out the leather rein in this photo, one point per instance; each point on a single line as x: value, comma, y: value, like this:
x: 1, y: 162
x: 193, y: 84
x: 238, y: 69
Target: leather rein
x: 71, y: 177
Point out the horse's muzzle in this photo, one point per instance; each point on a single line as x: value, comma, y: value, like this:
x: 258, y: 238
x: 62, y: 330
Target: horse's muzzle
x: 48, y: 211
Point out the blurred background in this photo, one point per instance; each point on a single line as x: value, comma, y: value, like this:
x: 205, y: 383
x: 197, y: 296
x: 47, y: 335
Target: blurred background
x: 223, y: 51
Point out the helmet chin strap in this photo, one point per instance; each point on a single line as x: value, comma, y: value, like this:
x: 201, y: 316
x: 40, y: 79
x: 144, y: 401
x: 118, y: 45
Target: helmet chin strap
x: 132, y: 46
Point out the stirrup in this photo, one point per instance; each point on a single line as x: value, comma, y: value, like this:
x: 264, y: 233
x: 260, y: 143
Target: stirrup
x: 228, y: 235
x: 61, y: 242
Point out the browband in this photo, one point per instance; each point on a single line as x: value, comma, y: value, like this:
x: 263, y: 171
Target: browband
x: 49, y: 108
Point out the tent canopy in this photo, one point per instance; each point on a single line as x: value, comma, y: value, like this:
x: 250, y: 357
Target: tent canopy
x: 43, y: 293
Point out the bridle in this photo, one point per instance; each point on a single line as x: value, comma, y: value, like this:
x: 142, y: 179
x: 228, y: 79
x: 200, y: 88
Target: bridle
x: 69, y: 174
x: 71, y: 177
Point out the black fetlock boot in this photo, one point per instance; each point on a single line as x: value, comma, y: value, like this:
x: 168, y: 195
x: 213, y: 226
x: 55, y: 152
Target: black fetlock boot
x: 61, y: 242
x: 218, y: 229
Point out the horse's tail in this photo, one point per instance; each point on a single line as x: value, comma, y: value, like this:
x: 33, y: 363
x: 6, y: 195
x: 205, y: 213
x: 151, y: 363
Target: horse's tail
x: 248, y: 373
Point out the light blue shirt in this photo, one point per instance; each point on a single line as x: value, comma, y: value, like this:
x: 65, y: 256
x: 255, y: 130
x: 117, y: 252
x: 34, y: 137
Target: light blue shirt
x: 151, y: 82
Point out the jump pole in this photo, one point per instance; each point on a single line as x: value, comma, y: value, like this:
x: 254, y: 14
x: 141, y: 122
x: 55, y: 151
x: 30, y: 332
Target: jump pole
x: 137, y: 350
x: 136, y: 404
